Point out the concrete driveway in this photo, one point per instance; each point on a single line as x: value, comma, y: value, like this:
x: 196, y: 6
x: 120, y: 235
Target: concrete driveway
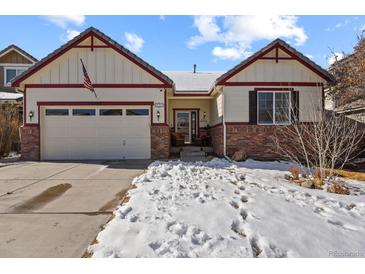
x: 50, y: 209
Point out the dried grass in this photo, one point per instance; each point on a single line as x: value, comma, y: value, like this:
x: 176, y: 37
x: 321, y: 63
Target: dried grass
x: 360, y: 176
x: 9, y: 128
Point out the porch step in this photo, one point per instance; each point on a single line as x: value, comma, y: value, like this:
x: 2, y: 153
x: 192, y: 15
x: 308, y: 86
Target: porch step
x: 192, y: 153
x: 193, y: 158
x: 191, y: 148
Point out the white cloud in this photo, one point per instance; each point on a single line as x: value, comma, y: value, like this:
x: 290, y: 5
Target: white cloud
x: 227, y: 53
x: 238, y: 33
x: 339, y: 25
x: 72, y: 33
x: 65, y: 20
x: 336, y: 55
x: 310, y: 56
x: 134, y: 42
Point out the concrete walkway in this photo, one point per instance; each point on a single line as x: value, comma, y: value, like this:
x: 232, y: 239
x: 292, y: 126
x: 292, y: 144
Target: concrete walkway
x: 50, y: 209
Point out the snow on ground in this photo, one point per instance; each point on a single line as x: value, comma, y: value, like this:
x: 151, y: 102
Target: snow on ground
x: 222, y: 209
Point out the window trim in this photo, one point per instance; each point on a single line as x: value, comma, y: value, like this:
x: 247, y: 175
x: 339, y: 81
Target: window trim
x: 274, y: 123
x: 16, y: 67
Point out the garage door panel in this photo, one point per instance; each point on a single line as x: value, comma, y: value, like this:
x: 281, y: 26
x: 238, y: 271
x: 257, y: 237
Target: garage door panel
x: 95, y: 137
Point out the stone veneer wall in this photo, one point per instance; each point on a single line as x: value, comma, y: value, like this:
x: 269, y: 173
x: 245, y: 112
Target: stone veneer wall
x: 29, y: 143
x: 216, y: 133
x: 160, y: 141
x: 256, y: 140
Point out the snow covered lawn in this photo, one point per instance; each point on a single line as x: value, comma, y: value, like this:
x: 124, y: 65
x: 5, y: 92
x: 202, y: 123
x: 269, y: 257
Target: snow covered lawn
x: 221, y: 209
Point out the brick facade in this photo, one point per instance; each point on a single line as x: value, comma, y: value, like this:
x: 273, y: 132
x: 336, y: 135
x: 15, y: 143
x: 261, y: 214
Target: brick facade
x: 160, y: 141
x: 256, y: 140
x: 216, y: 133
x: 29, y: 143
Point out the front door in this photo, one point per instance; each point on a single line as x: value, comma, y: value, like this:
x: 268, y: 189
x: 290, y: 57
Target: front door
x: 183, y: 125
x: 187, y: 125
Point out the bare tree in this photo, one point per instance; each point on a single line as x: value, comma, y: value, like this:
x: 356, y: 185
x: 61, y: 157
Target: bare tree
x: 349, y: 74
x: 329, y: 141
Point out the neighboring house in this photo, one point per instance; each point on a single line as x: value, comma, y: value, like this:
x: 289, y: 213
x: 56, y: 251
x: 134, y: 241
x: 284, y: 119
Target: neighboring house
x: 13, y: 61
x: 138, y: 106
x: 352, y: 107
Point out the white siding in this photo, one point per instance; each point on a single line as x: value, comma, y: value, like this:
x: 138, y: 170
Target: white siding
x: 34, y: 95
x: 237, y: 103
x: 216, y: 112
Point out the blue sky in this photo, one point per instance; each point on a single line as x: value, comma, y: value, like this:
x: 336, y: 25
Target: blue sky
x: 177, y: 42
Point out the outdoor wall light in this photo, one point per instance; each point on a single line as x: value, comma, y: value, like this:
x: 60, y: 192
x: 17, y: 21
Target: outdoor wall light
x: 158, y: 115
x: 204, y: 115
x: 31, y: 114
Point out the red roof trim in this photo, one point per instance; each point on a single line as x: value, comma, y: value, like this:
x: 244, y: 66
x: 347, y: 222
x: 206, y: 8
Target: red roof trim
x: 131, y: 59
x: 230, y: 75
x: 74, y: 44
x: 261, y: 56
x: 286, y: 84
x: 52, y: 58
x: 97, y: 86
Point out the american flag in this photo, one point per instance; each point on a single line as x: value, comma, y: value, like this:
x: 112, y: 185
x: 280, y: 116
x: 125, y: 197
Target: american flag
x: 87, y: 81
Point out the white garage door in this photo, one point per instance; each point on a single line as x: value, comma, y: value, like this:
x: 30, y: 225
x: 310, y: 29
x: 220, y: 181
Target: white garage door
x: 89, y: 132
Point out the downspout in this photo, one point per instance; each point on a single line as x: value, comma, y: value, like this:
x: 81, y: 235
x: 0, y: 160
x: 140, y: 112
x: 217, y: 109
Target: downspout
x: 224, y: 128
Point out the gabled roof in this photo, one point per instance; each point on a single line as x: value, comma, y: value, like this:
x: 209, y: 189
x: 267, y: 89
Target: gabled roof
x: 22, y: 52
x: 286, y: 48
x: 189, y: 81
x: 104, y: 38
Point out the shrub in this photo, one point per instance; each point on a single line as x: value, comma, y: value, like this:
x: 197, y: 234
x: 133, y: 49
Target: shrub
x: 338, y: 189
x: 294, y: 171
x: 239, y: 155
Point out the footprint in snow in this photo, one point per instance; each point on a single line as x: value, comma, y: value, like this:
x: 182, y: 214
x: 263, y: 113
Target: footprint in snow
x: 234, y: 204
x: 238, y: 228
x: 244, y: 214
x: 123, y: 211
x: 177, y: 228
x: 244, y: 199
x: 342, y: 225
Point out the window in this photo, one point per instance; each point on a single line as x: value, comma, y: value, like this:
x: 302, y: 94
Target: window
x: 137, y: 112
x: 273, y: 107
x: 83, y: 112
x: 11, y: 73
x: 110, y: 112
x: 56, y: 112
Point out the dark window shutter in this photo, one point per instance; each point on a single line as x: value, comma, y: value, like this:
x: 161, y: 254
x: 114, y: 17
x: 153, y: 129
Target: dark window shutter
x: 252, y: 107
x: 295, y: 106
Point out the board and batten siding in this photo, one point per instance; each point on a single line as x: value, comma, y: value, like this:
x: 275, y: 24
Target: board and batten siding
x: 104, y: 65
x: 35, y: 95
x: 270, y: 71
